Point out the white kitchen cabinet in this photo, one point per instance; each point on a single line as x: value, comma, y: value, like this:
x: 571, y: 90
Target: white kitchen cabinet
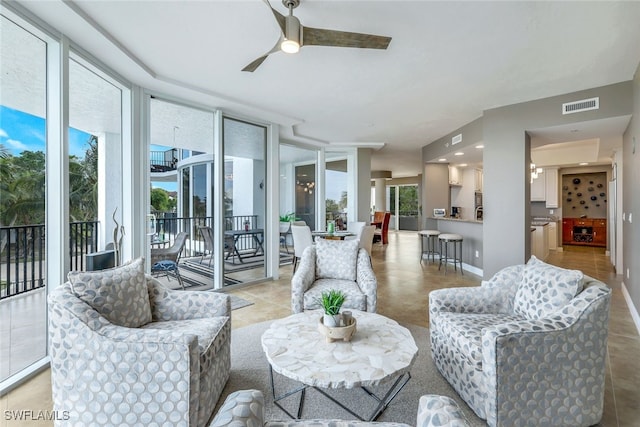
x: 540, y: 242
x: 551, y: 187
x: 478, y: 180
x: 553, y: 235
x: 538, y: 187
x: 455, y: 176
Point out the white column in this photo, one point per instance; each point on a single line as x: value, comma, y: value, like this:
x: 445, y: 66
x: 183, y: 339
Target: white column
x: 381, y: 194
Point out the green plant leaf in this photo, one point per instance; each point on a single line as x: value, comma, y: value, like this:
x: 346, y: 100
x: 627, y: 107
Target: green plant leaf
x: 331, y: 301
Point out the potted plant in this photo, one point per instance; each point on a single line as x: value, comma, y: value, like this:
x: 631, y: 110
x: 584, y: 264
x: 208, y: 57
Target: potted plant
x: 288, y: 217
x: 331, y: 302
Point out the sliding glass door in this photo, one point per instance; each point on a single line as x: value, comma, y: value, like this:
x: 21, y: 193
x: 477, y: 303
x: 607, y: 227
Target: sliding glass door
x: 245, y: 230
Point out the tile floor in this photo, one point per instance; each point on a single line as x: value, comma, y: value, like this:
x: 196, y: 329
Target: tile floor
x: 404, y: 285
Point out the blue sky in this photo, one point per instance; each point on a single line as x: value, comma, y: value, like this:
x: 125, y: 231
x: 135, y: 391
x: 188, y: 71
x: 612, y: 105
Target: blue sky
x: 23, y: 132
x: 20, y: 132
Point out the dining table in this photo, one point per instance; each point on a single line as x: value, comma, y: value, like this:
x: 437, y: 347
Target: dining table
x: 336, y: 235
x: 256, y: 233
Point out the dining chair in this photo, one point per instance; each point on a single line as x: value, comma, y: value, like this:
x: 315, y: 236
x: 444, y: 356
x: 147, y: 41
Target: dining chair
x: 302, y: 239
x: 355, y: 227
x: 366, y: 238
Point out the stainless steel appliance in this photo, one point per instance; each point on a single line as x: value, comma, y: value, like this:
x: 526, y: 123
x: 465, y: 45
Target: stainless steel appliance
x: 439, y: 213
x: 456, y: 212
x: 478, y: 199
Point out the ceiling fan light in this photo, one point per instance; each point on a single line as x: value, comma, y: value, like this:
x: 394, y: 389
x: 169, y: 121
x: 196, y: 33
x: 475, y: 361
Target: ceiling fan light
x: 290, y: 46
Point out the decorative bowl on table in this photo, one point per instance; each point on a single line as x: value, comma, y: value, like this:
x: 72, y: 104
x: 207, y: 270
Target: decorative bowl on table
x: 343, y: 333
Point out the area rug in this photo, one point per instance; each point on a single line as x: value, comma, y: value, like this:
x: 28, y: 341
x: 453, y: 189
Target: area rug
x: 249, y: 370
x: 238, y: 302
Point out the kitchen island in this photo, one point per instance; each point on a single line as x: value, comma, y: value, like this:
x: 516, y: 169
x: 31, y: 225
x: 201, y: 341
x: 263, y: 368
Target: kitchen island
x: 471, y: 232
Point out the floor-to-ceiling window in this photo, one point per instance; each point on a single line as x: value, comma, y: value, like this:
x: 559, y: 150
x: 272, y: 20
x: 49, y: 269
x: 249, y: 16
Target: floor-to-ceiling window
x: 337, y: 188
x: 61, y: 127
x: 402, y: 202
x: 95, y: 162
x: 23, y: 148
x: 244, y: 146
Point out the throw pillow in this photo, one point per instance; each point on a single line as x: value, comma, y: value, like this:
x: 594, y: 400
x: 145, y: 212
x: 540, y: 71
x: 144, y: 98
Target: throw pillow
x: 545, y: 289
x: 119, y: 294
x: 336, y: 259
x: 505, y: 277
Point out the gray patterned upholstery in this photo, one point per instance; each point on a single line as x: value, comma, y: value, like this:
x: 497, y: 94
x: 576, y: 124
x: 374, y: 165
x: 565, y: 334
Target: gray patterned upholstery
x: 245, y: 408
x: 515, y: 367
x: 119, y: 294
x: 348, y: 261
x: 170, y: 371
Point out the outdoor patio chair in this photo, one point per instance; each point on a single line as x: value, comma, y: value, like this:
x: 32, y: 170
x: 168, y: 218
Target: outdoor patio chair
x: 207, y: 236
x: 164, y: 261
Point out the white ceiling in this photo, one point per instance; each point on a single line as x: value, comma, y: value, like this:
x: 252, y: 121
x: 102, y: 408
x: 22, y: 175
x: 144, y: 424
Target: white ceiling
x: 447, y: 61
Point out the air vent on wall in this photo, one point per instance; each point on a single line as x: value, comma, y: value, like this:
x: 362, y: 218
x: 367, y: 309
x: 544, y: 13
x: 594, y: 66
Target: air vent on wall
x: 580, y: 106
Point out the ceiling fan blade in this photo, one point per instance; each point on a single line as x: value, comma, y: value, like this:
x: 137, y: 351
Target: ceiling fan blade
x: 257, y: 62
x: 279, y: 17
x: 322, y: 37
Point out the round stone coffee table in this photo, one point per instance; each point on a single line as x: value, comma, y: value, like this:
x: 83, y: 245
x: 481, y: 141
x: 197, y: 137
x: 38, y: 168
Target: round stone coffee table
x: 380, y: 351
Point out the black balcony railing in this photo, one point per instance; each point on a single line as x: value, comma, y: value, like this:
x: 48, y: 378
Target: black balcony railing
x: 163, y: 161
x: 23, y: 254
x: 23, y: 248
x: 168, y: 226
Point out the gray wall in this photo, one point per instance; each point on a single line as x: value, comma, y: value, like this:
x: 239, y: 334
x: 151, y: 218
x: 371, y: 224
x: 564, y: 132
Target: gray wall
x: 506, y: 165
x: 435, y: 192
x: 506, y: 158
x: 631, y: 198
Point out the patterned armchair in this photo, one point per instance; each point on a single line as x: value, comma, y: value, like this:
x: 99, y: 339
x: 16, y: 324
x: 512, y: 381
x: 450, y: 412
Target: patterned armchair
x: 526, y: 346
x: 125, y: 350
x: 245, y: 408
x: 334, y: 264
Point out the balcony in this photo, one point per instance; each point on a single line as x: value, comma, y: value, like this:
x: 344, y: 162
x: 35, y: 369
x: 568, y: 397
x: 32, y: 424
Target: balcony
x: 163, y: 161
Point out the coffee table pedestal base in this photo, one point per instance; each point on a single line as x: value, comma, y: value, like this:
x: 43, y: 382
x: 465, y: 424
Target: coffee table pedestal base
x: 383, y: 402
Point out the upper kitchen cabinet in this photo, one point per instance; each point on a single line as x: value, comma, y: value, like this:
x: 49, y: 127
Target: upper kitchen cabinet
x: 551, y: 187
x: 455, y: 176
x: 545, y: 188
x: 478, y: 180
x: 538, y: 189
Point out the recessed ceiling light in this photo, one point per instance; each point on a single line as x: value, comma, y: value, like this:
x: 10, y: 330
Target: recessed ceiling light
x: 480, y: 146
x: 442, y: 160
x: 463, y: 165
x: 584, y: 164
x: 459, y: 153
x: 574, y: 130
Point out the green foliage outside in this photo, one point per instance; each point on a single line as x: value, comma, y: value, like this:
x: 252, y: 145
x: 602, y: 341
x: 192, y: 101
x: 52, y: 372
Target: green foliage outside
x: 160, y: 200
x: 23, y: 189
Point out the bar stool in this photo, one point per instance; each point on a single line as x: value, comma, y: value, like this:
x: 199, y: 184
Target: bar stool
x: 456, y: 241
x: 432, y: 240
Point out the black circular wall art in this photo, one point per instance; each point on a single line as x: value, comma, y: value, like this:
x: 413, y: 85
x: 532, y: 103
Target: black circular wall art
x: 594, y: 198
x: 582, y: 202
x: 568, y: 199
x: 579, y: 194
x: 591, y: 182
x: 602, y: 194
x: 599, y: 185
x: 576, y: 181
x: 590, y: 189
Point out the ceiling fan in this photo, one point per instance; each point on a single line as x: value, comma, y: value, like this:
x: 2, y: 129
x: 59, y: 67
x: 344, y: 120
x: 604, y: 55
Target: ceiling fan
x: 294, y: 36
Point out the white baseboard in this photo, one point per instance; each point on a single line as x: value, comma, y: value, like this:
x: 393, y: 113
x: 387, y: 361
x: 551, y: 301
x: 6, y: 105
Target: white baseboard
x: 632, y: 309
x: 473, y: 269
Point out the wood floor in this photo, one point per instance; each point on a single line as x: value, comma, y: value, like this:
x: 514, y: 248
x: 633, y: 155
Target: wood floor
x: 403, y: 288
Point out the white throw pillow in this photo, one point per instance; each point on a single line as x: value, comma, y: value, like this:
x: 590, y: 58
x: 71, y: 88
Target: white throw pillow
x: 119, y: 294
x: 545, y: 289
x: 336, y: 259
